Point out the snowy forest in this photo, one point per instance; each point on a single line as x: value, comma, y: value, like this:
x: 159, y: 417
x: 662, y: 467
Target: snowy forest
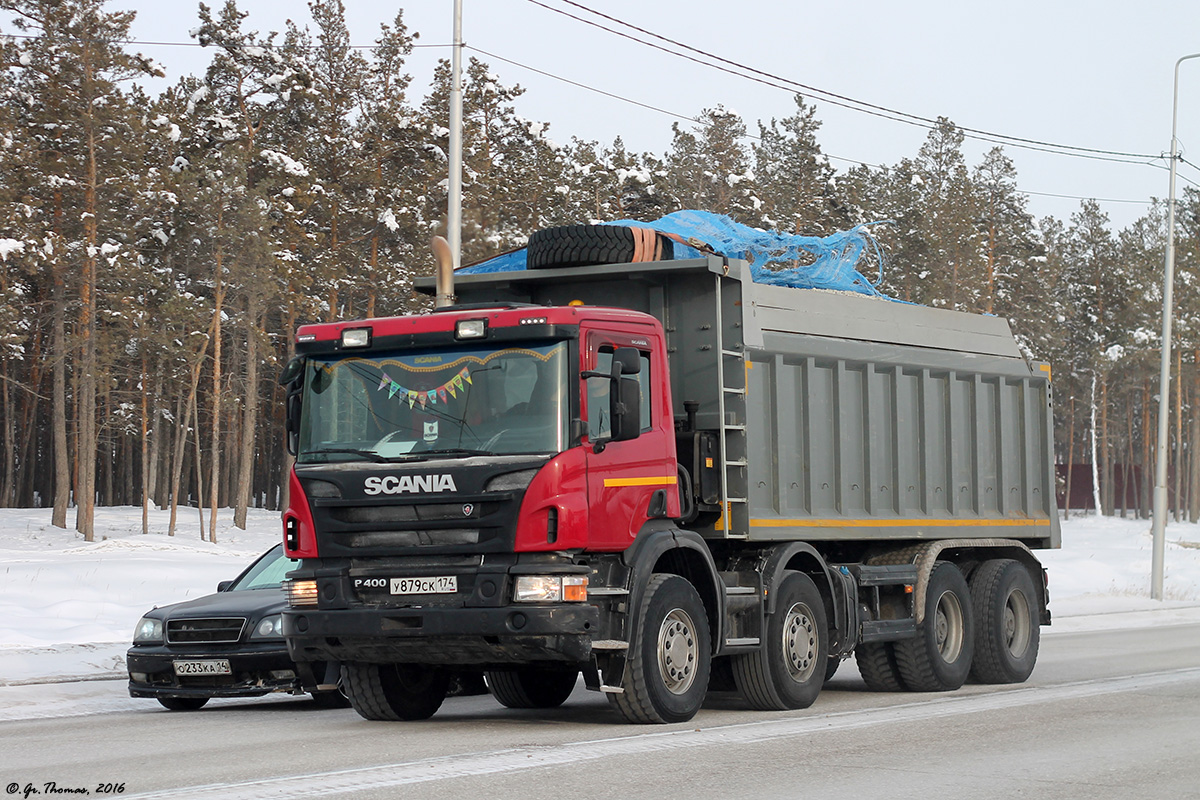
x: 156, y: 252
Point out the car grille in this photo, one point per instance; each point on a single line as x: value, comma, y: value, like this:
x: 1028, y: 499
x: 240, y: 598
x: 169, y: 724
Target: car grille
x: 212, y: 631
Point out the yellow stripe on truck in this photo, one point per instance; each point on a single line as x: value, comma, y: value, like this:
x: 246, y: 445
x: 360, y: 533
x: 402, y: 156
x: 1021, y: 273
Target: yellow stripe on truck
x: 665, y: 480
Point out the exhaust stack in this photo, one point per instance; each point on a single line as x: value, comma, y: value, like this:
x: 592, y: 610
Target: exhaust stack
x: 445, y: 272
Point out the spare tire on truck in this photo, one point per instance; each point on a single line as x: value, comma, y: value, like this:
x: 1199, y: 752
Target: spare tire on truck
x: 588, y: 245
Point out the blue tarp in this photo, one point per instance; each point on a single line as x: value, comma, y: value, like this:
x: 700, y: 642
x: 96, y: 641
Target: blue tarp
x: 827, y: 262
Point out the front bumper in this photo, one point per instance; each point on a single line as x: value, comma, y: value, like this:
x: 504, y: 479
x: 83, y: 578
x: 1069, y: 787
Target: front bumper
x: 444, y: 636
x: 152, y: 672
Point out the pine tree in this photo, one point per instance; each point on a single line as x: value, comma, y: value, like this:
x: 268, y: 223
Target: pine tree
x: 710, y: 169
x: 795, y: 180
x: 74, y: 63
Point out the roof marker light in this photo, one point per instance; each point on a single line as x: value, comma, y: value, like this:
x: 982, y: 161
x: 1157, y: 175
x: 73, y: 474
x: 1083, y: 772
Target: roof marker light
x: 470, y: 329
x: 356, y: 337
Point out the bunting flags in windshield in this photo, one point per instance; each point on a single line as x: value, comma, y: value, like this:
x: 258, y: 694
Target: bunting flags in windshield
x: 441, y: 394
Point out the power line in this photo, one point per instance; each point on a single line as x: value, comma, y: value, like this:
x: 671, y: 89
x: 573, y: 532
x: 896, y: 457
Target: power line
x: 693, y: 120
x: 842, y: 100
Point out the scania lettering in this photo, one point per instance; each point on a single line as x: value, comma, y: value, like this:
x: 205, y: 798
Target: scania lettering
x: 665, y: 478
x: 392, y: 484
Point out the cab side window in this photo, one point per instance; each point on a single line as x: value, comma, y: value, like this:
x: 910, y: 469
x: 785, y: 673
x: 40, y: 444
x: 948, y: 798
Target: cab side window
x: 598, y: 389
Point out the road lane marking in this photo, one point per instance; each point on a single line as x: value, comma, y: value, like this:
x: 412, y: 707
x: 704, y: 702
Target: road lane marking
x: 321, y: 784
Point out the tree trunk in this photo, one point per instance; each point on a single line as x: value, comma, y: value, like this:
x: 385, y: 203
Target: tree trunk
x: 1095, y: 453
x: 181, y: 427
x: 218, y: 308
x: 1070, y: 457
x: 245, y: 480
x: 58, y: 402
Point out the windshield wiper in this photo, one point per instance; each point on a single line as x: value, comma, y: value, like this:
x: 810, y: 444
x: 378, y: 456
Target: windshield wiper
x: 370, y: 455
x: 448, y: 451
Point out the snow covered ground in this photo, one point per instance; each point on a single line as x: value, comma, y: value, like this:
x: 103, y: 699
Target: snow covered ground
x: 68, y: 608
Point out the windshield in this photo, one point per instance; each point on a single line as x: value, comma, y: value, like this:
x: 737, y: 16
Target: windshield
x: 399, y: 405
x: 268, y: 572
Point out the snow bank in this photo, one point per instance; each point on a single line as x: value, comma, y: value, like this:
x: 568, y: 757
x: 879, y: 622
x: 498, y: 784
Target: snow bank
x: 68, y: 607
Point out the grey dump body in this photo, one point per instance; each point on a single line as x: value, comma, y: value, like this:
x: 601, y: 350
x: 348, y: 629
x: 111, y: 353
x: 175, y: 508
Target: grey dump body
x: 838, y: 417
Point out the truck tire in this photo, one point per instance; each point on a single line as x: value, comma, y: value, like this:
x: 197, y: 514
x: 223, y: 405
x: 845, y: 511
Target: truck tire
x: 1007, y: 625
x: 183, y: 703
x: 532, y: 688
x: 667, y: 668
x: 788, y: 670
x: 395, y: 691
x: 938, y: 659
x: 588, y: 245
x: 877, y: 665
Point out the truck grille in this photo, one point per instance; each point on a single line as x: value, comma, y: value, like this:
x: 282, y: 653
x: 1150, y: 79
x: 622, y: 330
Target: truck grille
x: 213, y: 631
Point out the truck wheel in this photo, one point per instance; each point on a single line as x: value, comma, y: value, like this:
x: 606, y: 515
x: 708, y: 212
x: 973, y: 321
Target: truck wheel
x: 788, y: 670
x: 939, y: 658
x: 666, y: 674
x: 395, y: 691
x: 183, y: 703
x: 587, y: 245
x: 877, y: 665
x: 532, y: 688
x: 1007, y: 629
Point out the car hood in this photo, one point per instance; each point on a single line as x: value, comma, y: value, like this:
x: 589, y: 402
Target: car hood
x: 255, y: 603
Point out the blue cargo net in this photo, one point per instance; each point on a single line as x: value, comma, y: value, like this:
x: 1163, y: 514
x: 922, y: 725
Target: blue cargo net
x: 801, y: 262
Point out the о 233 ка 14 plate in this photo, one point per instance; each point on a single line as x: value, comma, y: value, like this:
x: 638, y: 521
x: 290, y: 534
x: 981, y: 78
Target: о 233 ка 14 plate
x: 213, y: 667
x: 440, y: 584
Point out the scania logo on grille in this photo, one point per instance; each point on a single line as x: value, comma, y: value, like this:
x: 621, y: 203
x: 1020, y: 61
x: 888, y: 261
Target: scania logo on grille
x: 400, y: 484
x: 467, y: 509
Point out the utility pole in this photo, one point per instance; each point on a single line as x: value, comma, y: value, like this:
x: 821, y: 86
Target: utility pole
x: 1159, y: 527
x: 454, y: 213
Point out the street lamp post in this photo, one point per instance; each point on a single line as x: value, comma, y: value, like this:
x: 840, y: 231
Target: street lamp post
x: 1159, y: 527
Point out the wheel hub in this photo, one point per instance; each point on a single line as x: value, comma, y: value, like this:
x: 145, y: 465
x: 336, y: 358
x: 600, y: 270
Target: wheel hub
x: 800, y: 642
x: 948, y: 627
x: 677, y: 651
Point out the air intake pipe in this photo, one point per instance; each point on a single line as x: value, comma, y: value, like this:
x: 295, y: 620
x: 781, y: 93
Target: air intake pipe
x: 445, y: 272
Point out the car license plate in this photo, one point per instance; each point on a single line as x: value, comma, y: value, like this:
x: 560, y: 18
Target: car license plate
x: 440, y: 584
x: 216, y: 667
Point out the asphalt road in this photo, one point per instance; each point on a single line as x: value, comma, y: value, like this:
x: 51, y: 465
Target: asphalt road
x: 1111, y: 714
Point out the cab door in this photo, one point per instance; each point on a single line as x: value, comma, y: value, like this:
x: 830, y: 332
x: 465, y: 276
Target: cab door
x: 633, y: 480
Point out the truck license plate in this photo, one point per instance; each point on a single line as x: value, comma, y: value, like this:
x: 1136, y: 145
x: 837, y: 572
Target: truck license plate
x: 440, y: 584
x: 217, y: 667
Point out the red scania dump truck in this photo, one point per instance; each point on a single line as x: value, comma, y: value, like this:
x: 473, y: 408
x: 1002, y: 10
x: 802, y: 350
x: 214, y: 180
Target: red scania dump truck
x: 657, y: 473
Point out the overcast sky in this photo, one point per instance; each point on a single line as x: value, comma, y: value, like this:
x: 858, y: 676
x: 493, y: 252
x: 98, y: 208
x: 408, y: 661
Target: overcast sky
x: 1095, y: 75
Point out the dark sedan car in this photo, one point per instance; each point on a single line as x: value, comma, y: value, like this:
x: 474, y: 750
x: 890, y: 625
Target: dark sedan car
x: 227, y: 644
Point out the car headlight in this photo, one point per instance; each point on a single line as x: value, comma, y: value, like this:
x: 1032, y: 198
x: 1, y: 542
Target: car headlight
x: 148, y: 631
x: 269, y: 628
x: 550, y: 589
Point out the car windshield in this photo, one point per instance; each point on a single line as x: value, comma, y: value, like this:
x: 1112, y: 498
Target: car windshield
x: 268, y: 572
x: 413, y: 404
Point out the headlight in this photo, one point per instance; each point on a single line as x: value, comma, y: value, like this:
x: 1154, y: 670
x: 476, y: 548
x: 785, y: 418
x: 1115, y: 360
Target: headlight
x: 301, y: 593
x: 269, y: 628
x: 550, y: 589
x: 148, y: 631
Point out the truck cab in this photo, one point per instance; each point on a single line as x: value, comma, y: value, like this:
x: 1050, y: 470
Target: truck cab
x: 456, y: 477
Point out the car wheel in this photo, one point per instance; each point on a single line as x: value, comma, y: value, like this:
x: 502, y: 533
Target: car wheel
x: 1006, y: 622
x: 532, y: 688
x: 395, y: 691
x: 183, y: 703
x: 938, y: 659
x: 666, y: 674
x: 788, y: 669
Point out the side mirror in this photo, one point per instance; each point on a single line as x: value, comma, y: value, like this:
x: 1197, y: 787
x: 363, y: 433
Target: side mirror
x: 626, y: 409
x: 292, y: 370
x: 223, y: 586
x: 628, y: 359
